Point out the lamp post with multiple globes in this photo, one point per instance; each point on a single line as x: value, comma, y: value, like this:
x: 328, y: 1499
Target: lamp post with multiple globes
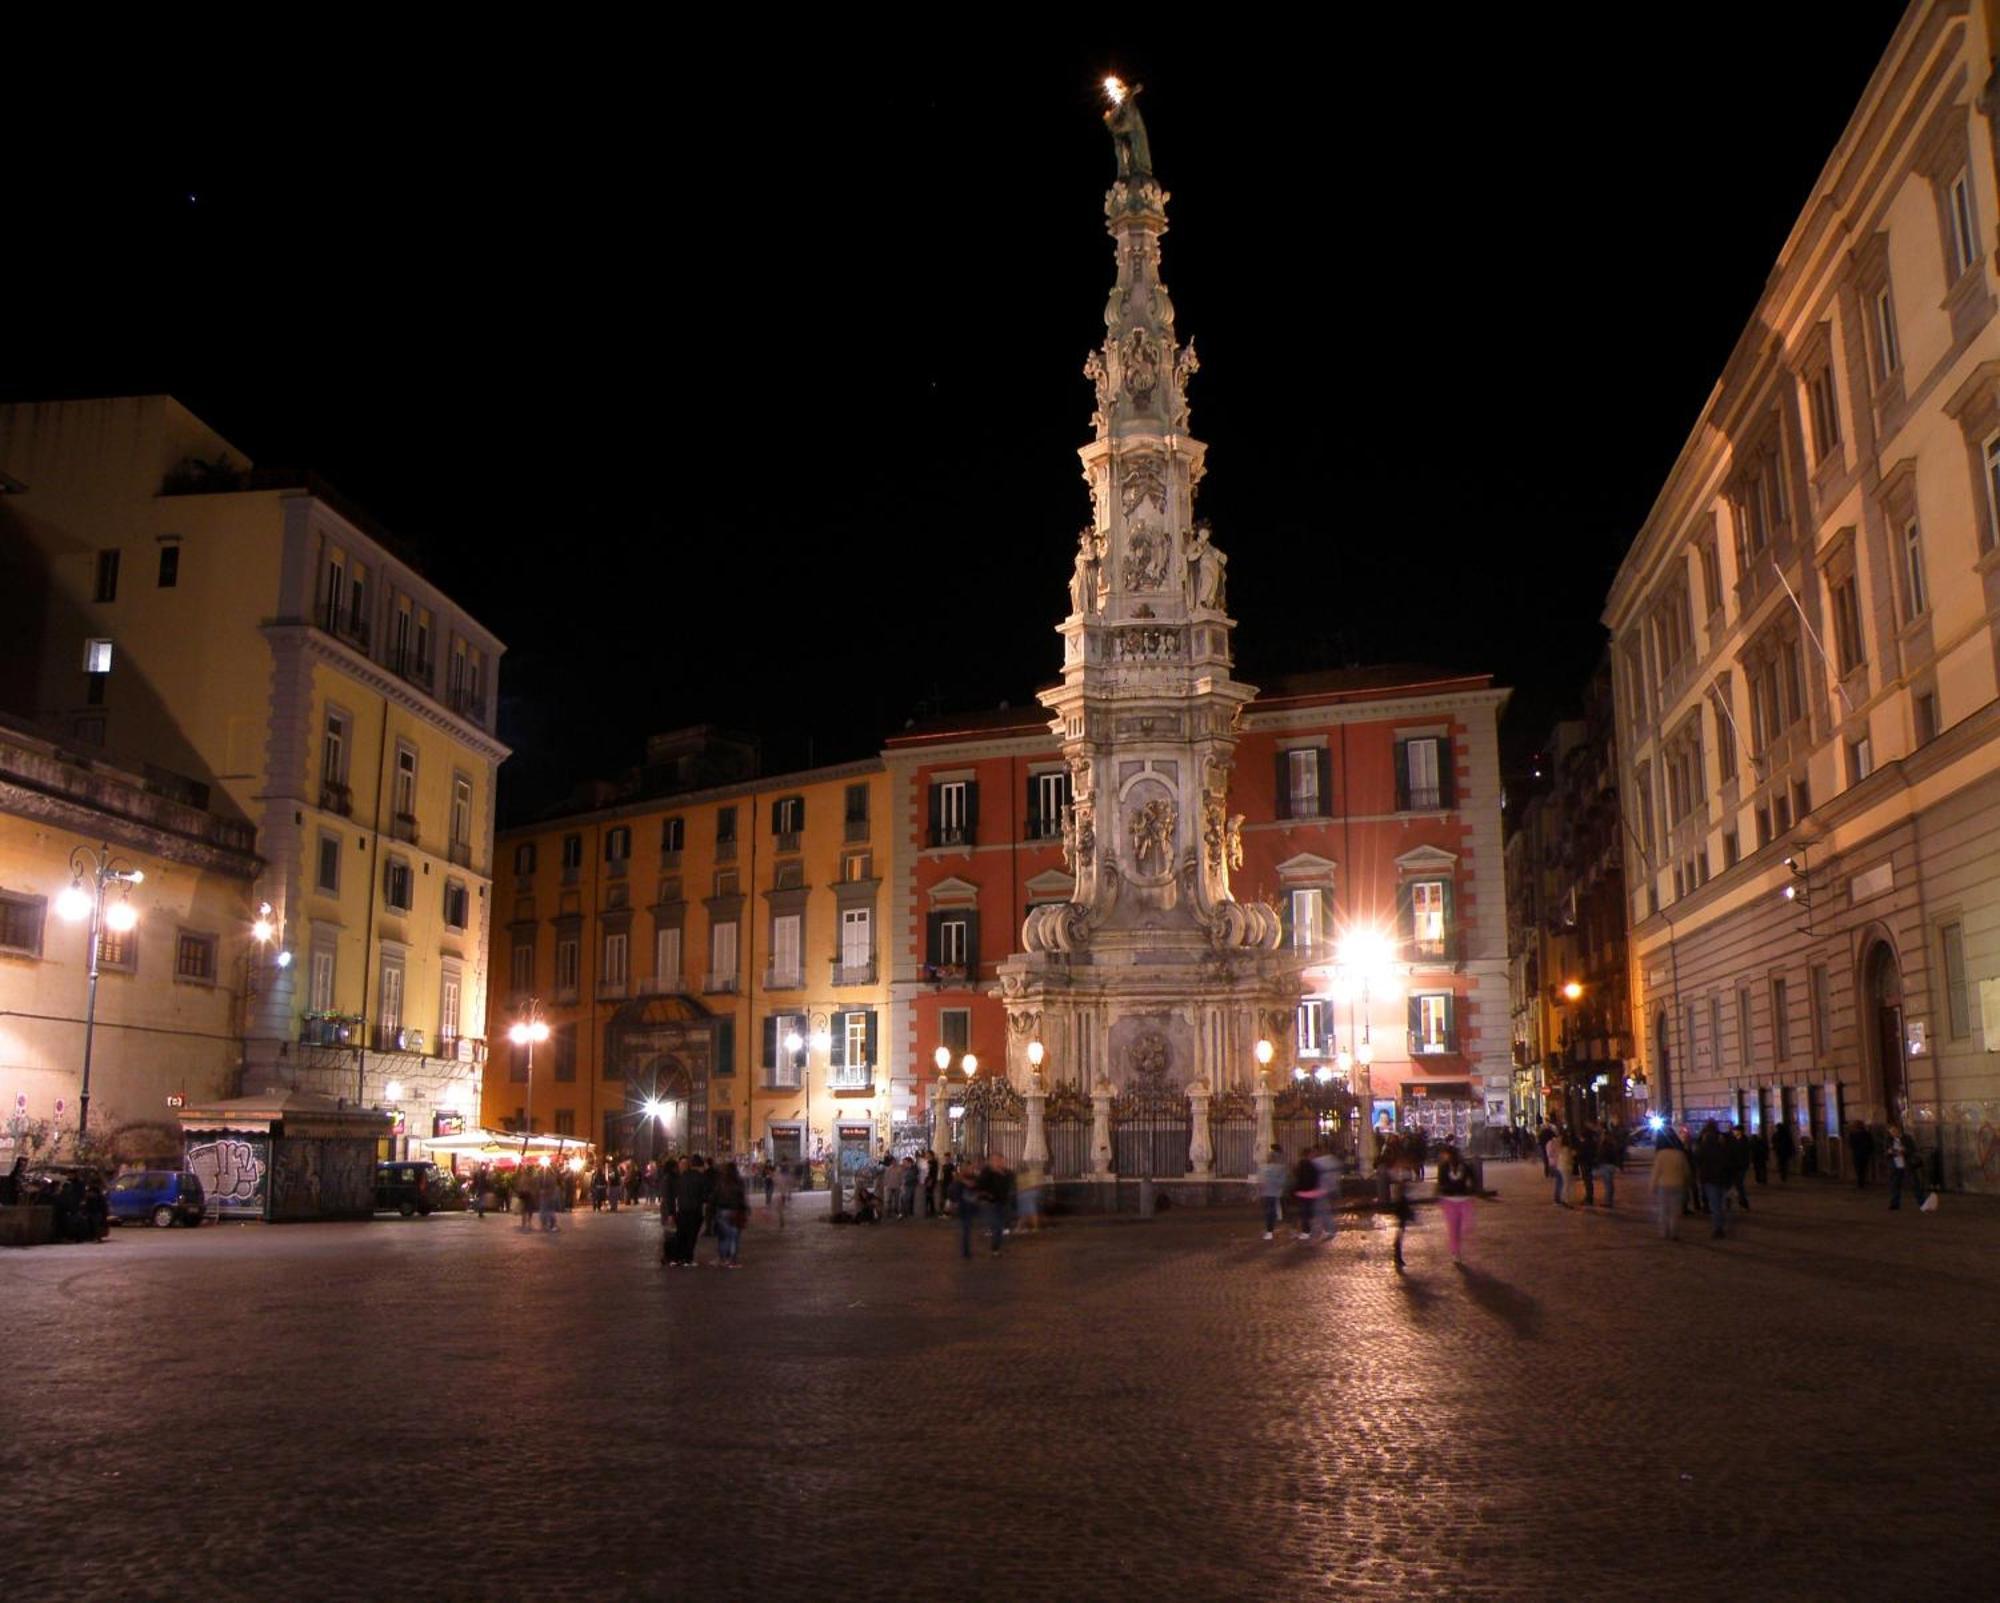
x: 529, y: 1031
x: 100, y: 868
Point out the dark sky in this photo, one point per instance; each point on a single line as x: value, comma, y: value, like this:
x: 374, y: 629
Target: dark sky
x: 738, y: 381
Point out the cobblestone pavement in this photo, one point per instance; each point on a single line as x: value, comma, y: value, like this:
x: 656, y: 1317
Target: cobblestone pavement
x: 453, y: 1409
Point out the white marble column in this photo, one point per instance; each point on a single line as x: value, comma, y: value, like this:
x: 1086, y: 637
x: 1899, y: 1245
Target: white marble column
x: 1201, y: 1151
x: 1100, y: 1130
x: 1267, y: 1136
x: 940, y: 1120
x: 1035, y: 1148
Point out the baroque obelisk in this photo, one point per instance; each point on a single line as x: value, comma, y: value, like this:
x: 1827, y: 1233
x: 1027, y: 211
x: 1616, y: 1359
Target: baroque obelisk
x: 1152, y: 977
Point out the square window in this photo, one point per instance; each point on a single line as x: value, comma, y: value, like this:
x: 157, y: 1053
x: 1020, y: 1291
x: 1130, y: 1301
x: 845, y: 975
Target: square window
x: 21, y: 919
x: 327, y: 875
x: 170, y: 566
x: 97, y: 656
x: 194, y: 957
x: 106, y: 587
x: 1925, y: 714
x: 524, y: 859
x: 457, y: 904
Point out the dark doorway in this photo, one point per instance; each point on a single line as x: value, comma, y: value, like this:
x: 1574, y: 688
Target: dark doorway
x: 1884, y: 990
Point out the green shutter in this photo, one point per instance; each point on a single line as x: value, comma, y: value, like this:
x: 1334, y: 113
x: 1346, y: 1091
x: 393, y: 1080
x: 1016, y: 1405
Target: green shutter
x: 971, y: 811
x: 1325, y: 759
x: 1283, y: 791
x: 972, y: 944
x: 937, y: 816
x: 1416, y: 1024
x: 837, y: 1054
x: 771, y: 1041
x: 725, y: 1047
x: 1447, y: 779
x: 934, y: 939
x: 1406, y: 917
x: 872, y: 1058
x: 1451, y: 946
x: 1402, y: 776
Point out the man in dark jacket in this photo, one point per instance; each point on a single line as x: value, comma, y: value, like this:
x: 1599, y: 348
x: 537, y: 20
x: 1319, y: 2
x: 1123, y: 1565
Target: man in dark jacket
x: 1860, y: 1148
x: 1783, y: 1145
x: 1739, y: 1162
x: 1712, y: 1171
x: 690, y: 1203
x: 1760, y: 1155
x: 996, y: 1186
x: 1586, y: 1163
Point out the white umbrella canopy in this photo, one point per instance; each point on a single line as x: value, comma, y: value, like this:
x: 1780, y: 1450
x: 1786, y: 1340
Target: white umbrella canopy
x: 501, y: 1144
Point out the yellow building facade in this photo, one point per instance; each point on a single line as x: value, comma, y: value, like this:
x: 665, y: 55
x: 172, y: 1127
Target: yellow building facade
x: 253, y: 644
x: 173, y: 990
x: 715, y: 953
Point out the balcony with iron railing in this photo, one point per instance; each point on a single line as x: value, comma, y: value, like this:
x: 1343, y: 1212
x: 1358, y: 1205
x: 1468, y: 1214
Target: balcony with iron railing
x: 663, y: 985
x: 784, y: 979
x: 404, y: 827
x: 788, y: 840
x: 851, y: 1079
x: 340, y: 622
x: 336, y: 798
x: 853, y: 830
x: 725, y: 851
x: 862, y: 973
x: 398, y: 1038
x: 1045, y: 828
x: 405, y: 663
x: 460, y: 852
x: 954, y: 835
x: 719, y: 983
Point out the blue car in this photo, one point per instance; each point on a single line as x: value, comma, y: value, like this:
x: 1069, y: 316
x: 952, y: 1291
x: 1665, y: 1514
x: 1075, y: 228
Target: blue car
x: 158, y: 1195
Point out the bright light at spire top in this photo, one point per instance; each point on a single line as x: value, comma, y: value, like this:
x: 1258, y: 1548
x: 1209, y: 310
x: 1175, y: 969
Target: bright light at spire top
x: 1114, y: 90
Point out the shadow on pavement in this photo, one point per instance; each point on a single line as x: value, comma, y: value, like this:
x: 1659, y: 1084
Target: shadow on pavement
x: 1514, y: 1308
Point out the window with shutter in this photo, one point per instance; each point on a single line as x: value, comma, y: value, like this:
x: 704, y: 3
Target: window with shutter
x: 1281, y: 789
x: 723, y: 1041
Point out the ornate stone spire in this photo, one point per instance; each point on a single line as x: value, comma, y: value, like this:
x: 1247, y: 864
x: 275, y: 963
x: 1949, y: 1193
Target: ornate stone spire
x: 1147, y: 708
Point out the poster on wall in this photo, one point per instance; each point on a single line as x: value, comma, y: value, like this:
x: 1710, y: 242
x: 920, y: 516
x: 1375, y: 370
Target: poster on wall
x: 234, y: 1171
x: 447, y: 1124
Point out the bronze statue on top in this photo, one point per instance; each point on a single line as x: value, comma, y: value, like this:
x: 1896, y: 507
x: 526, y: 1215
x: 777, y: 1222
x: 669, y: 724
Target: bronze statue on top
x: 1128, y: 129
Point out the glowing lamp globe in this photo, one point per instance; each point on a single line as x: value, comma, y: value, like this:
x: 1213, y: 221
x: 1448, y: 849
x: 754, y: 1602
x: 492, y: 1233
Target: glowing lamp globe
x: 120, y: 916
x: 74, y: 903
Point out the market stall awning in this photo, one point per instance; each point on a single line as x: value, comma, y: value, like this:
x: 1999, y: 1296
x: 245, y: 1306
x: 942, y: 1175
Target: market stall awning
x: 503, y: 1144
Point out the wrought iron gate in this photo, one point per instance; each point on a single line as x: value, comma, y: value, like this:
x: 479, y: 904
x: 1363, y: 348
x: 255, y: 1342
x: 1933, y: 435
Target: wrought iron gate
x: 1150, y: 1128
x: 1066, y: 1121
x: 995, y: 1121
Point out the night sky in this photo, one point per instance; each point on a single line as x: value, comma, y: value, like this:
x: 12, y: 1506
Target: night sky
x: 739, y: 382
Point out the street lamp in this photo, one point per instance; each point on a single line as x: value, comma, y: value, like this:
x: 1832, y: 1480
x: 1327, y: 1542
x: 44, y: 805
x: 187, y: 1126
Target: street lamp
x: 101, y: 869
x: 527, y: 1032
x: 1035, y: 1055
x: 1363, y: 961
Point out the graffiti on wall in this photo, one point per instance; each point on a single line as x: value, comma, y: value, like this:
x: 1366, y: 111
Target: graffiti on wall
x: 232, y: 1171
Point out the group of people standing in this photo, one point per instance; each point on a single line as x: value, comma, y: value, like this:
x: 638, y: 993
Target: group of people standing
x: 697, y: 1196
x: 1586, y: 1158
x: 1314, y: 1186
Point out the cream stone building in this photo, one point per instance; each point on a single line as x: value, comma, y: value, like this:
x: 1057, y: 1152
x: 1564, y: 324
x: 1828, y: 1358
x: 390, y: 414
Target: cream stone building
x: 172, y: 990
x: 1805, y: 636
x: 251, y: 644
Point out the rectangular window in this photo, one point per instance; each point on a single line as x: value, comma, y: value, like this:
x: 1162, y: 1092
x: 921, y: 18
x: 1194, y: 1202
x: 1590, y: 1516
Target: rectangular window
x: 457, y: 905
x: 170, y: 566
x: 319, y: 989
x: 1916, y: 598
x: 565, y: 1122
x: 722, y: 954
x: 1781, y: 1022
x: 616, y: 952
x: 1847, y: 625
x: 952, y: 942
x: 1743, y: 1029
x: 194, y: 957
x: 1822, y: 1009
x: 563, y: 1040
x: 1302, y: 782
x: 1711, y: 574
x: 952, y: 811
x: 667, y: 958
x: 955, y: 1031
x: 406, y: 781
x: 788, y: 815
x: 856, y: 1058
x: 1925, y: 715
x: 521, y: 970
x: 1052, y: 798
x: 1888, y: 355
x: 1825, y: 414
x: 1860, y: 760
x: 1427, y: 917
x: 725, y: 826
x: 328, y: 876
x: 117, y: 949
x: 1426, y: 789
x: 722, y: 1056
x: 785, y: 966
x: 21, y: 924
x: 1715, y: 1032
x: 1311, y: 1029
x: 524, y: 859
x: 1732, y: 848
x: 106, y: 588
x: 1433, y: 1023
x: 396, y: 884
x: 1989, y: 534
x: 461, y: 810
x: 449, y: 988
x: 787, y: 1045
x: 333, y: 750
x: 617, y: 849
x: 855, y: 946
x: 97, y: 656
x: 1306, y: 918
x: 568, y: 965
x: 1958, y: 1009
x: 572, y: 853
x: 1964, y: 230
x: 673, y: 835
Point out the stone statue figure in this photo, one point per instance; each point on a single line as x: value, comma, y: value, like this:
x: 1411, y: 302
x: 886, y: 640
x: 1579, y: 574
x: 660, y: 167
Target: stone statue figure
x: 1083, y: 582
x: 1235, y: 842
x: 1128, y: 135
x: 1205, y: 565
x: 1153, y: 835
x: 1100, y: 379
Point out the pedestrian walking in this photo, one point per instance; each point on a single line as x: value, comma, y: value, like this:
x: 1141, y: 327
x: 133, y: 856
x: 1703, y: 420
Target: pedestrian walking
x: 1455, y: 1197
x: 1402, y: 1174
x: 1904, y: 1160
x: 1558, y: 1158
x: 545, y: 1196
x: 1860, y: 1148
x: 1270, y: 1180
x: 1715, y: 1172
x: 783, y: 1191
x: 690, y: 1201
x: 1586, y: 1163
x: 1739, y: 1163
x: 996, y: 1183
x: 1760, y: 1155
x: 1605, y: 1169
x: 962, y: 1199
x: 1669, y: 1182
x: 732, y: 1212
x: 1783, y: 1144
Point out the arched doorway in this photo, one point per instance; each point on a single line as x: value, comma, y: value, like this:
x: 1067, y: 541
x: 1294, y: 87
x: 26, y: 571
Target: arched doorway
x: 1663, y: 1063
x: 1882, y: 1026
x: 673, y: 1090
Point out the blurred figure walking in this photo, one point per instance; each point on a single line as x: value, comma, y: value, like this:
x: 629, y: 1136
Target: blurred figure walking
x: 1456, y: 1189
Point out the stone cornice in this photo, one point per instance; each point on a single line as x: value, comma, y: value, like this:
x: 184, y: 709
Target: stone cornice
x: 93, y: 823
x: 665, y: 806
x: 317, y: 643
x: 1369, y: 712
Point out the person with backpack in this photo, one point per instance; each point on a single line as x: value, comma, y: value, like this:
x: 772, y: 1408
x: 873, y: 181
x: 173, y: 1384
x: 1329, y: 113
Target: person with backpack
x: 1305, y: 1187
x: 732, y: 1212
x: 1904, y: 1160
x: 1270, y: 1181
